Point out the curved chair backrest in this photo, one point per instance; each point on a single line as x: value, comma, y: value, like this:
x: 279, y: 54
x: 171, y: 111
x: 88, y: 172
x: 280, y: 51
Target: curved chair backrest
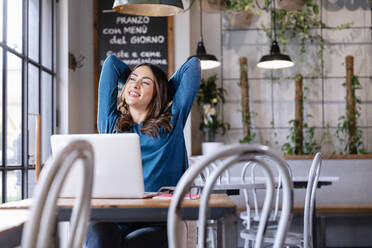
x: 266, y: 209
x: 243, y: 179
x: 41, y: 225
x: 231, y: 154
x: 312, y: 184
x: 207, y: 170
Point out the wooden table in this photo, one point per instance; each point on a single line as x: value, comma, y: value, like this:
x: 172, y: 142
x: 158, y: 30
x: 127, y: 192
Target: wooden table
x: 222, y: 209
x: 11, y: 224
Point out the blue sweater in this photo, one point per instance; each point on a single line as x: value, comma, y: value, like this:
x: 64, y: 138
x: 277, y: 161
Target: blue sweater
x: 164, y: 158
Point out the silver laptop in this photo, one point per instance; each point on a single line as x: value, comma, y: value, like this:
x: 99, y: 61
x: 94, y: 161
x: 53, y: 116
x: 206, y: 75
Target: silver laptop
x: 117, y: 165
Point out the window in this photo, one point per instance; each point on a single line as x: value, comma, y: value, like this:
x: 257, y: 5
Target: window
x: 27, y: 77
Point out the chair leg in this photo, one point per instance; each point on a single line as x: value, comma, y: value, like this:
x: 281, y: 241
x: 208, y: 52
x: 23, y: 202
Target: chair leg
x: 246, y: 243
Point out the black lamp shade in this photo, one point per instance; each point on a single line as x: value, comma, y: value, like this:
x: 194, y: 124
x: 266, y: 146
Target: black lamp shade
x: 207, y: 61
x: 149, y: 7
x: 275, y: 60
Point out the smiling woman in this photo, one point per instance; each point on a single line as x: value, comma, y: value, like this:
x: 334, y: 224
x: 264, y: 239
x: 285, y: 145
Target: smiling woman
x: 156, y: 109
x: 145, y: 96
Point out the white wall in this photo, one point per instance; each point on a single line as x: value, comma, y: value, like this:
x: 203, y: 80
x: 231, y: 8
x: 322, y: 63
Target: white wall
x: 62, y: 65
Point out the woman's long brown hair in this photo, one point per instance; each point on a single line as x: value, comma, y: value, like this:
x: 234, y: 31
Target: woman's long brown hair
x: 158, y: 115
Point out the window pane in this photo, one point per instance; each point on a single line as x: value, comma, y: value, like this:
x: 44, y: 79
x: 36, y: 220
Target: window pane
x: 14, y: 182
x: 33, y: 30
x: 46, y: 114
x: 31, y: 182
x: 33, y: 89
x: 14, y: 113
x: 46, y: 33
x: 14, y: 23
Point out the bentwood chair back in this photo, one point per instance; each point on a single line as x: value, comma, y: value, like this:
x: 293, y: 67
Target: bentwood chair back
x: 304, y: 239
x: 252, y: 216
x: 231, y: 155
x: 40, y: 228
x: 310, y: 199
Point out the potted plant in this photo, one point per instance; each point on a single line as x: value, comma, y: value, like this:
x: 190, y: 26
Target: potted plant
x: 208, y: 99
x: 240, y: 12
x: 213, y: 6
x: 291, y: 4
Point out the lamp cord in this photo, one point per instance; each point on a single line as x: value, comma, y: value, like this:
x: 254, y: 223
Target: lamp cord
x: 201, y: 21
x: 274, y: 21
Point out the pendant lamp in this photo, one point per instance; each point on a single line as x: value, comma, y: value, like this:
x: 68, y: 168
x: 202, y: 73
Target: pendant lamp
x: 275, y: 60
x: 207, y: 61
x: 149, y: 7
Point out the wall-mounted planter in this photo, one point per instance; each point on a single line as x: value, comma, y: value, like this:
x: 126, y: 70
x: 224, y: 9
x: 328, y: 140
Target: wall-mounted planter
x: 239, y: 18
x: 291, y: 4
x: 213, y: 6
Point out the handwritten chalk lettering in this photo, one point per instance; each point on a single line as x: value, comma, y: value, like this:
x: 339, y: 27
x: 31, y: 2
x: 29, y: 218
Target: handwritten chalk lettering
x: 150, y: 54
x: 148, y: 60
x: 147, y: 39
x: 118, y: 40
x: 120, y: 54
x: 132, y: 20
x: 135, y: 29
x: 111, y: 31
x: 134, y: 54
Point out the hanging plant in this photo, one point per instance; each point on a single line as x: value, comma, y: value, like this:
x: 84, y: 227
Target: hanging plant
x: 291, y: 4
x: 213, y: 6
x: 240, y: 12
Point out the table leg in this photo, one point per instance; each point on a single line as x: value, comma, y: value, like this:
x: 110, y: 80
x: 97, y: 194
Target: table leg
x: 322, y: 231
x: 227, y: 232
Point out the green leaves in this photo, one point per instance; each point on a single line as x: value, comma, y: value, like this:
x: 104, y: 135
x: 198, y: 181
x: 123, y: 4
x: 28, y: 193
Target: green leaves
x: 248, y: 138
x: 309, y: 146
x: 209, y: 93
x: 240, y: 5
x: 345, y: 122
x: 208, y: 98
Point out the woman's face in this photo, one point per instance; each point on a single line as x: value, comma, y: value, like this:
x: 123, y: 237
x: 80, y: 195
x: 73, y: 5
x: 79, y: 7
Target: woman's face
x: 139, y: 88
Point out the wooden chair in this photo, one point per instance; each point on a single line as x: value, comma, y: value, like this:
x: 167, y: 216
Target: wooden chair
x: 232, y: 154
x: 40, y: 228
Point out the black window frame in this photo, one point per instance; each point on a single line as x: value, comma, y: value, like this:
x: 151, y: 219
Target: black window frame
x: 25, y: 167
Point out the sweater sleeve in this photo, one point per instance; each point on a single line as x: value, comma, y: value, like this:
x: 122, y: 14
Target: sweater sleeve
x: 113, y: 71
x: 186, y: 81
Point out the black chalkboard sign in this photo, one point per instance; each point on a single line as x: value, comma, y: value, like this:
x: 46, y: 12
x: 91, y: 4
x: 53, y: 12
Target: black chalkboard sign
x: 133, y: 39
